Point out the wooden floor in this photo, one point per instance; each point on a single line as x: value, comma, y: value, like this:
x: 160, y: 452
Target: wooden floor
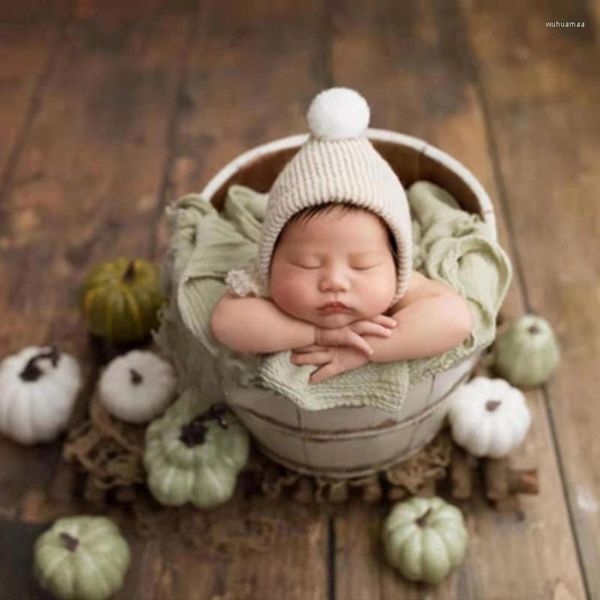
x: 108, y: 110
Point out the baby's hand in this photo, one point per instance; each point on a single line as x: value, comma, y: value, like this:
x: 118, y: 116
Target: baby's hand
x: 351, y: 335
x: 334, y: 360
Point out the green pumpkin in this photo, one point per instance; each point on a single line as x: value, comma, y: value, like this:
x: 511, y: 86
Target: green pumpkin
x: 424, y: 538
x: 527, y: 352
x: 81, y: 558
x: 194, y: 453
x: 120, y: 299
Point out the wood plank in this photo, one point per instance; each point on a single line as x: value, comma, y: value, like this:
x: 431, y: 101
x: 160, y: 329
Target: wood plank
x: 16, y: 560
x: 257, y: 93
x: 414, y: 63
x: 295, y: 566
x: 33, y: 13
x: 542, y: 102
x: 31, y: 50
x: 230, y: 560
x: 86, y: 187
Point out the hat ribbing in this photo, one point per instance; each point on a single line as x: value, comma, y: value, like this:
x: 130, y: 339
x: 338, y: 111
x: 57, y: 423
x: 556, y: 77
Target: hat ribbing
x: 338, y: 164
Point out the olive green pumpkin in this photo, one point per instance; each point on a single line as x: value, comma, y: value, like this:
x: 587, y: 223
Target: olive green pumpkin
x: 527, y: 352
x: 424, y: 538
x: 194, y: 452
x: 81, y: 558
x: 120, y: 299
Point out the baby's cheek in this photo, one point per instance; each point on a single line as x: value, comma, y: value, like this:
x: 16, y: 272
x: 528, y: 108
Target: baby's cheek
x: 291, y: 293
x: 378, y: 292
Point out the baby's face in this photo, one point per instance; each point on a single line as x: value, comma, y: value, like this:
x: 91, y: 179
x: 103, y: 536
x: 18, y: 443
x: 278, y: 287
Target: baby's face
x: 334, y: 268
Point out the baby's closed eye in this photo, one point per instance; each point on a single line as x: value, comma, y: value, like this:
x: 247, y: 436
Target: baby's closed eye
x: 365, y: 265
x: 365, y: 261
x: 355, y: 267
x: 306, y: 264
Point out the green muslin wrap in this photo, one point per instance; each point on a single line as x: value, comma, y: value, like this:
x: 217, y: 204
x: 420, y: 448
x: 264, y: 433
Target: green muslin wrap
x: 450, y: 245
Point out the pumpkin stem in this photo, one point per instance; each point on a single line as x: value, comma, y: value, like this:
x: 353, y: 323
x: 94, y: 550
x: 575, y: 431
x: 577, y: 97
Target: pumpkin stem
x: 69, y: 541
x: 136, y: 378
x: 533, y: 329
x: 492, y: 405
x: 218, y: 412
x: 31, y: 371
x: 194, y: 432
x: 129, y: 274
x: 422, y: 521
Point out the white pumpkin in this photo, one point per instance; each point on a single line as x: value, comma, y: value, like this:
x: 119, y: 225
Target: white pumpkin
x: 137, y: 387
x: 38, y: 388
x: 488, y: 417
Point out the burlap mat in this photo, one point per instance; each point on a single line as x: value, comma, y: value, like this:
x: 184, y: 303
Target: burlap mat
x: 109, y: 455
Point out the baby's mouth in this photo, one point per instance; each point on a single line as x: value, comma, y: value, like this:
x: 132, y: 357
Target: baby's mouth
x: 333, y: 307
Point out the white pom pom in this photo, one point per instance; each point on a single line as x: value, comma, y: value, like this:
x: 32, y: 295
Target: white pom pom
x: 337, y: 114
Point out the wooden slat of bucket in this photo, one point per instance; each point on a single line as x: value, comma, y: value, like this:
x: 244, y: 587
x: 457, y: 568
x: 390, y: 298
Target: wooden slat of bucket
x: 360, y: 449
x: 360, y: 455
x: 347, y: 418
x: 441, y: 385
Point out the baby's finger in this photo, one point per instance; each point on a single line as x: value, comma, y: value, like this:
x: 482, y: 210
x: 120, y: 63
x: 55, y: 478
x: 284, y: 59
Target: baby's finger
x: 312, y: 348
x: 325, y: 372
x: 370, y: 328
x: 386, y: 321
x: 312, y: 358
x: 355, y: 340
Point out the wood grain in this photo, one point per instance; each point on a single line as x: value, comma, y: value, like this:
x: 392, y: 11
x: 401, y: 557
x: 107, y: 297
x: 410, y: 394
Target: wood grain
x: 252, y: 70
x: 542, y: 105
x: 31, y: 53
x: 16, y: 557
x: 269, y: 67
x: 85, y: 185
x: 415, y: 63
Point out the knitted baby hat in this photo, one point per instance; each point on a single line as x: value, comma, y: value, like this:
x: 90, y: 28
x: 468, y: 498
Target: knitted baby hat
x: 338, y: 163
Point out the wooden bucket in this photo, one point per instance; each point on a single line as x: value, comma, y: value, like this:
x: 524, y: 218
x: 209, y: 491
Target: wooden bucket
x: 351, y: 441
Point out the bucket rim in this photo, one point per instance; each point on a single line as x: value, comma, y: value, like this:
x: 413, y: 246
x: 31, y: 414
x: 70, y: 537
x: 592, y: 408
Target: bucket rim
x: 384, y: 135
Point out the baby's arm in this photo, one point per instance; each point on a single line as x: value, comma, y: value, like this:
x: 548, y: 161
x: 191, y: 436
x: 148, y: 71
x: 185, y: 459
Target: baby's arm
x: 432, y: 318
x: 257, y: 326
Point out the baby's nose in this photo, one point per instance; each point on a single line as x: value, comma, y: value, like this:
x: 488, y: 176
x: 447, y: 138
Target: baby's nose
x: 335, y: 281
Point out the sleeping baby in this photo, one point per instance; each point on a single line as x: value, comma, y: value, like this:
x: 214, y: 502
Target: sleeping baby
x: 333, y: 280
